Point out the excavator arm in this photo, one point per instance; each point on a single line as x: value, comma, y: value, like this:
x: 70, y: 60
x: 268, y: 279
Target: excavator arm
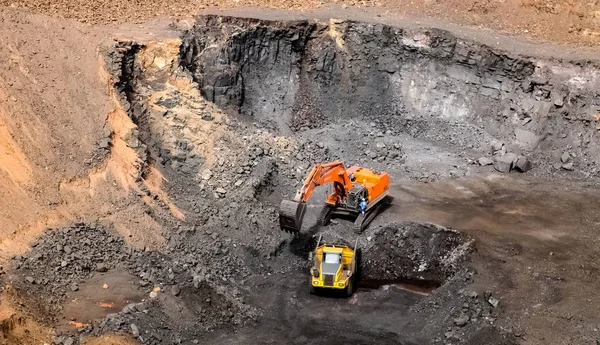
x: 291, y: 213
x: 322, y: 174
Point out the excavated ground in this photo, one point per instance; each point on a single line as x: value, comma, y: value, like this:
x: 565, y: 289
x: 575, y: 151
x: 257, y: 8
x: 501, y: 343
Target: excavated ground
x: 169, y: 235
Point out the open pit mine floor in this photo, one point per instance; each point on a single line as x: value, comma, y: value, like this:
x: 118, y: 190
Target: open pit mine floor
x: 142, y: 169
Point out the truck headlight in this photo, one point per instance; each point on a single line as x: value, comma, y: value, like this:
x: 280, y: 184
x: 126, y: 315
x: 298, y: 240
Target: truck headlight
x: 315, y: 282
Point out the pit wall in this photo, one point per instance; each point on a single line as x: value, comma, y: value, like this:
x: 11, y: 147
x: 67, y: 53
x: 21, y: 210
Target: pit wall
x: 296, y: 74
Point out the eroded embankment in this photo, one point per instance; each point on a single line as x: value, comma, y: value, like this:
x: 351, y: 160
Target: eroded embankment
x: 424, y: 82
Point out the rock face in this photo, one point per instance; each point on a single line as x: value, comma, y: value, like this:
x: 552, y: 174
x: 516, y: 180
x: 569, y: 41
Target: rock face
x: 298, y: 75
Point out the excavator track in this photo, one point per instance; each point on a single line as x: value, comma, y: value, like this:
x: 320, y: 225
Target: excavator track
x: 361, y: 223
x: 291, y: 214
x: 325, y: 215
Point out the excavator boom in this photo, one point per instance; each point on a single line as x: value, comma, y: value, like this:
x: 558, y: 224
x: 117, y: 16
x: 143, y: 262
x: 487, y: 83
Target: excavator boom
x: 291, y: 213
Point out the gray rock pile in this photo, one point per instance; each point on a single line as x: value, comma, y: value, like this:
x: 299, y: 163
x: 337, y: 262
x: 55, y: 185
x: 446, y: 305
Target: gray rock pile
x: 414, y: 252
x: 63, y: 258
x: 504, y: 161
x: 196, y: 275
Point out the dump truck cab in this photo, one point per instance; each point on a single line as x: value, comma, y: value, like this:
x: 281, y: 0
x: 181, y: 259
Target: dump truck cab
x: 333, y: 266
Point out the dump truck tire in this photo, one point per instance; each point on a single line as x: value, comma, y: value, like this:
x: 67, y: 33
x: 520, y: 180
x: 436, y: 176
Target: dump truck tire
x: 350, y: 288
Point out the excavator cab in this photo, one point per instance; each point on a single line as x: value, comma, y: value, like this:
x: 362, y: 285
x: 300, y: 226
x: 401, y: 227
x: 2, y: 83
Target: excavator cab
x: 356, y: 194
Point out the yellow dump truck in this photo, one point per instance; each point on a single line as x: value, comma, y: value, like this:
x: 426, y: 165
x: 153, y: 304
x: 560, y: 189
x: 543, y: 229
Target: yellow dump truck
x: 333, y: 267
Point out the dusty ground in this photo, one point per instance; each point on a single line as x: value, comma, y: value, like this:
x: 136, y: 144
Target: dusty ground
x: 86, y: 137
x: 570, y: 22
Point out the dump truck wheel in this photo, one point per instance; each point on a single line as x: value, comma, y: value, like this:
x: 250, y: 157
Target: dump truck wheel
x: 311, y: 288
x: 350, y: 288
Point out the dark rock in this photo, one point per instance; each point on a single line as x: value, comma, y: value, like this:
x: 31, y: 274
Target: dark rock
x: 462, y: 320
x: 101, y: 268
x: 206, y: 116
x: 104, y: 143
x: 483, y: 161
x: 565, y: 158
x: 568, y: 167
x: 497, y: 146
x: 135, y: 331
x: 505, y: 163
x: 523, y: 164
x: 527, y: 139
x: 175, y: 290
x: 493, y: 301
x: 31, y: 280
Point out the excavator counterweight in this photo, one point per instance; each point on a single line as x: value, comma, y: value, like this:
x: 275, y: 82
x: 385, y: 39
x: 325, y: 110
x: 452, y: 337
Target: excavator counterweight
x: 357, y: 192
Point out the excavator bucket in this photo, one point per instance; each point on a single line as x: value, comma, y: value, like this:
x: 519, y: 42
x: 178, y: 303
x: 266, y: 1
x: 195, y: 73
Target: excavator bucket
x: 291, y: 214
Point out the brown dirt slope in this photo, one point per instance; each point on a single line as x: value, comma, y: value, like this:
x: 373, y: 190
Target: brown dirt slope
x: 562, y: 21
x: 55, y: 103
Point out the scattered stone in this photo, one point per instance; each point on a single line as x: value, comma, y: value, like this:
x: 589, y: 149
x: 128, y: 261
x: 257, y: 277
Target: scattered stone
x: 221, y: 190
x: 527, y: 139
x: 493, y: 301
x: 69, y: 341
x: 135, y: 331
x: 497, y: 146
x: 472, y: 294
x: 568, y: 167
x: 101, y: 268
x: 74, y: 287
x: 565, y: 158
x: 523, y: 164
x: 30, y: 280
x: 206, y: 174
x: 557, y: 98
x: 104, y: 143
x: 504, y: 164
x: 483, y: 161
x: 105, y: 286
x: 462, y: 320
x: 206, y: 116
x: 175, y: 290
x: 64, y: 263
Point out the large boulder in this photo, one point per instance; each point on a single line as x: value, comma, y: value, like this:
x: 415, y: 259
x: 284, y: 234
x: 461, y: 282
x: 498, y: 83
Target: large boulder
x: 505, y: 163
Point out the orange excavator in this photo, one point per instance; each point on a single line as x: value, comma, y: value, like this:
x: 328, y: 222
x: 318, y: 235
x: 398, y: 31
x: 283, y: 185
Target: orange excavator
x: 357, y: 192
